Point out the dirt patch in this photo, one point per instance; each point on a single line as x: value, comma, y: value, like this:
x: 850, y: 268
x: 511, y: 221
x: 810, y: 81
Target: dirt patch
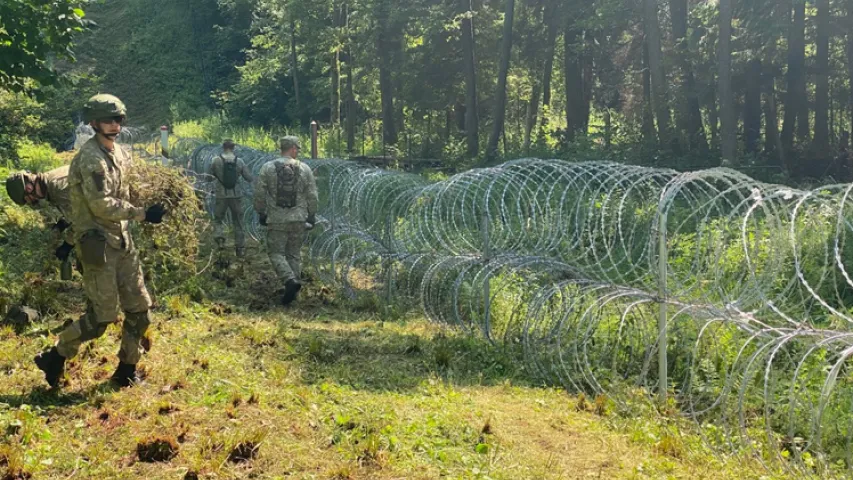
x: 158, y: 449
x: 243, y: 452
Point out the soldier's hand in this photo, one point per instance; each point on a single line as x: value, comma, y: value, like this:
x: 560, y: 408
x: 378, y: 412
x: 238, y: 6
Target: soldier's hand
x: 63, y: 251
x: 312, y: 219
x: 155, y: 213
x: 61, y: 225
x: 262, y: 219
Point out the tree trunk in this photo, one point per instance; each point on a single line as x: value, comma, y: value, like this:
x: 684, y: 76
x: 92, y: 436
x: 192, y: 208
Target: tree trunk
x: 691, y: 113
x: 587, y: 63
x: 532, y: 113
x: 339, y: 22
x: 350, y: 95
x: 551, y: 46
x: 472, y: 129
x: 772, y: 142
x: 796, y: 102
x: 448, y: 122
x: 713, y: 119
x: 833, y: 133
x: 752, y: 108
x: 821, y: 125
x: 386, y: 82
x: 574, y: 83
x: 648, y: 114
x: 728, y: 119
x: 500, y: 98
x: 659, y: 95
x: 294, y: 70
x: 850, y: 58
x: 335, y: 103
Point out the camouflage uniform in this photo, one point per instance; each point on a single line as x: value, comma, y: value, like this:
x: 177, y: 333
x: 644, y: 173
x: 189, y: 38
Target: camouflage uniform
x: 228, y: 200
x: 112, y: 273
x: 59, y: 195
x: 50, y: 186
x: 285, y: 226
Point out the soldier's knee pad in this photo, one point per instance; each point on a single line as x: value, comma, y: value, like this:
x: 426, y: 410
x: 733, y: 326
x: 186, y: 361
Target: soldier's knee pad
x: 91, y: 329
x: 137, y: 322
x: 88, y: 327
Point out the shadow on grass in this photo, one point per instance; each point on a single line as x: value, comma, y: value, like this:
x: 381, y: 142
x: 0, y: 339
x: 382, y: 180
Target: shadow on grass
x: 376, y: 358
x: 48, y: 397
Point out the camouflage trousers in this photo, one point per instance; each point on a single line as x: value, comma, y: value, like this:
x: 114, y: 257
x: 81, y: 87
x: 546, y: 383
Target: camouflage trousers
x: 119, y: 281
x: 284, y: 245
x: 220, y: 209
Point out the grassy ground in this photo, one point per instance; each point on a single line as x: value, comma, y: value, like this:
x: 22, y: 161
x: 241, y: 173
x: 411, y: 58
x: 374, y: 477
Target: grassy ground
x: 238, y: 388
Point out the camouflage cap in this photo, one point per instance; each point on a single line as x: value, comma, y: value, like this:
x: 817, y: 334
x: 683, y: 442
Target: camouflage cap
x: 103, y: 106
x: 16, y: 187
x: 288, y: 142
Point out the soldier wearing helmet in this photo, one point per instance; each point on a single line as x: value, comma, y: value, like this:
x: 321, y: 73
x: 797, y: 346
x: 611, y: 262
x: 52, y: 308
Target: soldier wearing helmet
x: 26, y: 188
x: 112, y: 274
x: 226, y: 170
x: 286, y: 201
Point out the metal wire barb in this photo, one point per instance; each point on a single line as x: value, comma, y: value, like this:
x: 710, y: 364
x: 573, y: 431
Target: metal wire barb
x: 757, y: 292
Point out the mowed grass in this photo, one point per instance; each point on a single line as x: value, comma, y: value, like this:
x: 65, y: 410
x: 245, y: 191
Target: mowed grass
x: 239, y: 389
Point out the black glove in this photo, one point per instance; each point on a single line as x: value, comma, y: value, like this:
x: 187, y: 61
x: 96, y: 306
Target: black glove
x: 63, y: 251
x: 312, y: 219
x: 262, y: 219
x: 61, y: 225
x: 155, y: 213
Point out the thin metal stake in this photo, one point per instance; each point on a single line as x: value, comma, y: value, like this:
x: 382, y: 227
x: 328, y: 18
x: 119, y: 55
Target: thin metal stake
x: 333, y: 222
x: 487, y: 256
x: 314, y: 151
x: 662, y: 319
x: 389, y: 232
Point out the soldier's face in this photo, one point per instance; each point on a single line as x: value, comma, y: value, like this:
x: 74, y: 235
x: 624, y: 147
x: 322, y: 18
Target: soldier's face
x: 109, y: 127
x: 32, y: 195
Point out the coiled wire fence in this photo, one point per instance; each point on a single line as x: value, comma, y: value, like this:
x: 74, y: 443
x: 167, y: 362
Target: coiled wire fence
x: 728, y: 297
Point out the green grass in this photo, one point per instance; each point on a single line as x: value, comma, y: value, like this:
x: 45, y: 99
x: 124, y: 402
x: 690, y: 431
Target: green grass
x: 37, y: 157
x: 237, y: 388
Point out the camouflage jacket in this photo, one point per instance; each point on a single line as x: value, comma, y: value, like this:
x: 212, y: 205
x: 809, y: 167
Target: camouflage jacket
x: 266, y: 189
x: 216, y: 172
x: 59, y: 195
x: 98, y: 180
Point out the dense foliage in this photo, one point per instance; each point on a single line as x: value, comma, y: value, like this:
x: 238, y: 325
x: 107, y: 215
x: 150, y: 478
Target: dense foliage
x: 32, y: 34
x: 765, y: 85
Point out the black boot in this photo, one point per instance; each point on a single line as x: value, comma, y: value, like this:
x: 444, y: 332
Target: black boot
x: 125, y: 375
x: 291, y: 288
x: 52, y: 364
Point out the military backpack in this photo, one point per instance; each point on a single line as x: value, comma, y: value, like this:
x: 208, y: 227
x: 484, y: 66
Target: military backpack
x: 287, y: 180
x: 229, y: 174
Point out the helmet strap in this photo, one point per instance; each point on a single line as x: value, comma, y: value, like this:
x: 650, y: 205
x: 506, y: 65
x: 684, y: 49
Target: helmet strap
x: 109, y: 136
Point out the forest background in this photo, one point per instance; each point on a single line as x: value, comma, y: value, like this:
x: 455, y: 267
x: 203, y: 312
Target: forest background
x: 760, y: 85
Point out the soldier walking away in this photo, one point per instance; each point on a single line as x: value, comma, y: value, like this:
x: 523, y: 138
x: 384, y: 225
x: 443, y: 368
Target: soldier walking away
x: 112, y: 274
x: 26, y: 188
x: 226, y: 170
x: 286, y: 202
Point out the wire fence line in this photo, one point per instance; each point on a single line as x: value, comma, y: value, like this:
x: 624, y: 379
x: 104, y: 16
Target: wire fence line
x: 590, y: 268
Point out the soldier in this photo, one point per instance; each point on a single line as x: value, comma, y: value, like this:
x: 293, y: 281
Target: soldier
x: 112, y: 274
x: 226, y: 170
x: 286, y: 202
x: 26, y: 188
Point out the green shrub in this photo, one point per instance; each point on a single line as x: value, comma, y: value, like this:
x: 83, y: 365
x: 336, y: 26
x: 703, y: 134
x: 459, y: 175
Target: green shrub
x: 36, y: 157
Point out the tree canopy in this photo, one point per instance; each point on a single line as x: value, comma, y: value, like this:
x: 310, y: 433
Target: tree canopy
x: 684, y: 83
x: 33, y: 35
